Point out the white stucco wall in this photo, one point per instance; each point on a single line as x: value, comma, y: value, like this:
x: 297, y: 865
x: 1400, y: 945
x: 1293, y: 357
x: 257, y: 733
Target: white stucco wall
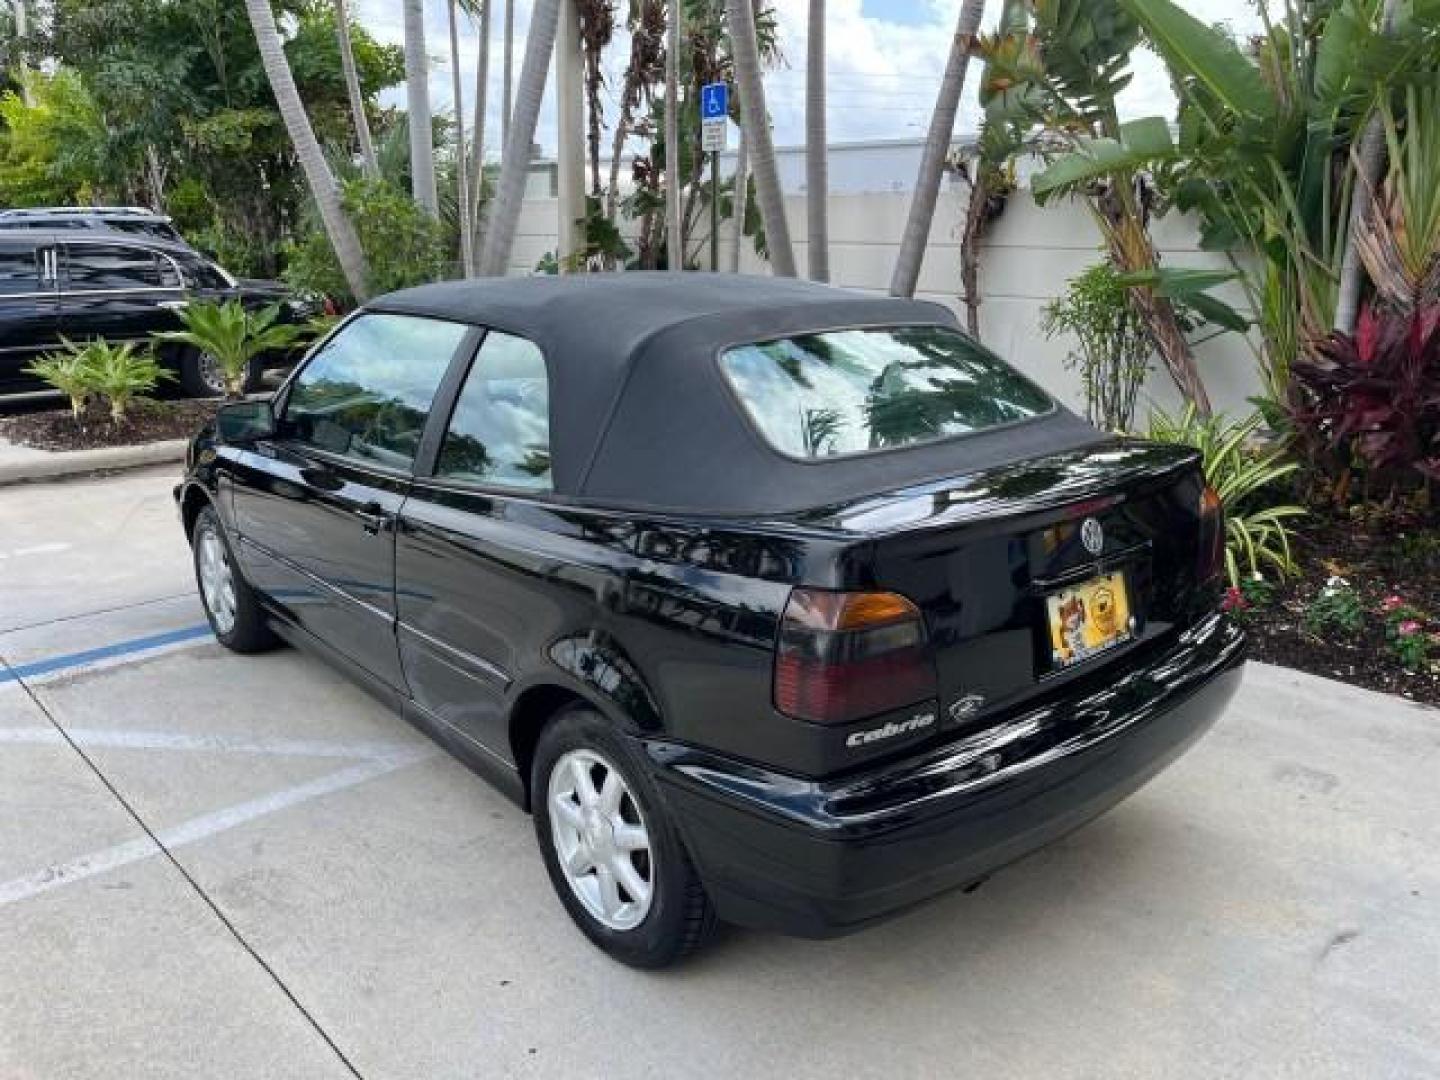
x: 1028, y: 257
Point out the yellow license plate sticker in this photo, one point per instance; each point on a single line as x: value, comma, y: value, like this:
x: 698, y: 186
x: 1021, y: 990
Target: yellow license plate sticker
x: 1088, y: 619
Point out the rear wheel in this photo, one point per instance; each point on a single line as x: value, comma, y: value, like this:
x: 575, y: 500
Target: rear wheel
x: 202, y: 376
x: 613, y: 855
x: 230, y: 604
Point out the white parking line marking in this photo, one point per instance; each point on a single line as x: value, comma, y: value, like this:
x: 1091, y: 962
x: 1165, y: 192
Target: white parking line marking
x: 35, y: 549
x: 206, y: 825
x: 234, y: 744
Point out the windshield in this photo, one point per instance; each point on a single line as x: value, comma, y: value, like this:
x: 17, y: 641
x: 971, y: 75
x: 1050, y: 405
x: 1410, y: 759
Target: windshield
x: 849, y: 391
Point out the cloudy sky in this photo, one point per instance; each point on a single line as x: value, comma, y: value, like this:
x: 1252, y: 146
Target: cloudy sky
x: 885, y: 62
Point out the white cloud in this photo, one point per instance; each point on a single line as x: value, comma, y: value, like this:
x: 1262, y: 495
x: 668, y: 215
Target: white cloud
x: 882, y: 74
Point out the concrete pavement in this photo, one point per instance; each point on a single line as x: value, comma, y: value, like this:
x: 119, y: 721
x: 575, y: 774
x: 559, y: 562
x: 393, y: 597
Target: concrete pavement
x: 223, y: 866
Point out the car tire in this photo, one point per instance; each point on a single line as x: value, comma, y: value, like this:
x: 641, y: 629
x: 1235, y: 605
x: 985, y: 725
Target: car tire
x: 231, y: 606
x: 651, y: 931
x: 200, y: 376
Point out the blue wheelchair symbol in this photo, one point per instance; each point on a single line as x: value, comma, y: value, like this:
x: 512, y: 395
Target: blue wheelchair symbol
x: 714, y: 101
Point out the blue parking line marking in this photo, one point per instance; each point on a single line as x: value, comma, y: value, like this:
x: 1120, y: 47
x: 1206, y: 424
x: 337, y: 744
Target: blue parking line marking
x: 104, y: 652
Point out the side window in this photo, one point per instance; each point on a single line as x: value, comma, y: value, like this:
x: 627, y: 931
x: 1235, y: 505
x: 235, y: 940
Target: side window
x: 88, y: 267
x: 199, y: 274
x: 367, y: 393
x: 17, y: 270
x: 500, y: 431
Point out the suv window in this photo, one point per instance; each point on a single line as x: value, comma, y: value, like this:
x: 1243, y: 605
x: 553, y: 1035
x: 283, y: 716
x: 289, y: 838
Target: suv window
x: 17, y: 270
x: 848, y: 391
x: 367, y: 392
x: 500, y: 430
x: 109, y: 266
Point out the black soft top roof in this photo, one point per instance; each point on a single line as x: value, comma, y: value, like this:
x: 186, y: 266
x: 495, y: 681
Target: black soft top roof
x: 641, y: 415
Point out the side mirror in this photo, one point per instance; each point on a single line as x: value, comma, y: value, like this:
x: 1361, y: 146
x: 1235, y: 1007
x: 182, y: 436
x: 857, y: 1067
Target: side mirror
x: 243, y: 422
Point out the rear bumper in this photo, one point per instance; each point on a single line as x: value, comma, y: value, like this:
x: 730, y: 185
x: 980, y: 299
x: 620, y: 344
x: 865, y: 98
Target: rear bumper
x: 821, y: 858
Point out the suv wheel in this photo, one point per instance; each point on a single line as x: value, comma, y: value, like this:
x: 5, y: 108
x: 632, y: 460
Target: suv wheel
x: 201, y: 376
x: 230, y: 605
x: 613, y: 856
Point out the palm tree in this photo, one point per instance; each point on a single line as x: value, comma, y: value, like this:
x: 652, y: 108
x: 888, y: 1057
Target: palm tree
x: 482, y: 86
x: 817, y: 181
x: 507, y: 95
x: 1369, y: 161
x: 937, y: 148
x: 756, y: 119
x: 504, y: 212
x: 462, y: 166
x: 307, y: 148
x: 742, y: 189
x: 352, y: 90
x: 674, y: 229
x: 417, y: 107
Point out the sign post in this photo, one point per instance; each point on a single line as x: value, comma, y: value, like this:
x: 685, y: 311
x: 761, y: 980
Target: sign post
x: 714, y: 118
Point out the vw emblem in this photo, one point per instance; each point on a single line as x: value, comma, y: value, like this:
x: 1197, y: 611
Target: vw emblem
x: 1092, y: 535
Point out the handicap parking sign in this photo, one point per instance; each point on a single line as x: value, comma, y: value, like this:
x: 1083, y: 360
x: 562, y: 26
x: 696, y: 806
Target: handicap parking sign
x: 714, y: 101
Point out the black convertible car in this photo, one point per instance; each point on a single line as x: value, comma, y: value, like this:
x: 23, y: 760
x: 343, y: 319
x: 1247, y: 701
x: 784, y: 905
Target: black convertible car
x: 774, y: 603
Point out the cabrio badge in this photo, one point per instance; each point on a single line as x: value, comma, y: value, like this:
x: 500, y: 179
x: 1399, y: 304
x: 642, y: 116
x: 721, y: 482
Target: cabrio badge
x: 1092, y: 535
x: 889, y: 730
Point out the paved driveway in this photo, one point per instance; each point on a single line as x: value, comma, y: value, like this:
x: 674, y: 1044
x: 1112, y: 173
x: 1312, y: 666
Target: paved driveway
x: 213, y: 866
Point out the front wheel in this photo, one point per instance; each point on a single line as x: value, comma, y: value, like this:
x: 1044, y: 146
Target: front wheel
x: 613, y: 856
x: 231, y: 606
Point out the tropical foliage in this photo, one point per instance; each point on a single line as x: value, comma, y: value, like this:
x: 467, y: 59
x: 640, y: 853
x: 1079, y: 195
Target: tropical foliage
x: 117, y: 373
x: 233, y: 336
x: 1249, y: 481
x: 1113, y: 350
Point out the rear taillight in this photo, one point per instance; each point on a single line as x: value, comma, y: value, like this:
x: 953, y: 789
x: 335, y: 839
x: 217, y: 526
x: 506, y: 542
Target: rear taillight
x: 844, y: 656
x: 1212, y: 536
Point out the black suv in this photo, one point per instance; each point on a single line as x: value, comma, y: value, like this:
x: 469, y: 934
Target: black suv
x: 135, y: 220
x: 61, y: 282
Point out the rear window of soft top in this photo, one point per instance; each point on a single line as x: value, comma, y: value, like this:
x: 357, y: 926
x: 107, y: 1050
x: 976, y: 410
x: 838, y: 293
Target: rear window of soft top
x: 841, y: 392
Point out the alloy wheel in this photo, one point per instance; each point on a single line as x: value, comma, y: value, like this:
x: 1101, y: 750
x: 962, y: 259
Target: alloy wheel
x: 211, y: 375
x: 601, y: 841
x: 217, y: 580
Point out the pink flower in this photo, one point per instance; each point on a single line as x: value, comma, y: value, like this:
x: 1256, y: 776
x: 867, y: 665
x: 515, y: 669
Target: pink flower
x: 1234, y: 600
x: 1390, y: 603
x: 1408, y: 627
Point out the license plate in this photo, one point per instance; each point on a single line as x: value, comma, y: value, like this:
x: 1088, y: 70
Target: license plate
x: 1087, y: 619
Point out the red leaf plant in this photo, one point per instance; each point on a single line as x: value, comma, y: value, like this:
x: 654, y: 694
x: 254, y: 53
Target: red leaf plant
x: 1377, y: 393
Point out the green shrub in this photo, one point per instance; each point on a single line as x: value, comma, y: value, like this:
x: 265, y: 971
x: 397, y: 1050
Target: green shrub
x: 1114, y: 344
x: 402, y: 243
x: 70, y: 372
x: 122, y: 373
x: 1336, y: 607
x: 234, y: 336
x: 1256, y: 530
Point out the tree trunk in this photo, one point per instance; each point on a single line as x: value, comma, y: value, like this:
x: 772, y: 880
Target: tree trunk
x: 674, y: 224
x: 417, y: 107
x: 477, y: 138
x: 937, y: 148
x: 352, y: 90
x: 515, y: 164
x: 1370, y: 163
x: 975, y: 213
x: 462, y: 166
x: 817, y: 182
x: 307, y: 148
x: 742, y: 189
x: 22, y: 31
x: 756, y: 120
x: 507, y: 93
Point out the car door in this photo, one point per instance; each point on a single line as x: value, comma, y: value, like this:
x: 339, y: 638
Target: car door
x: 314, y: 507
x: 470, y: 547
x: 117, y: 291
x: 29, y: 311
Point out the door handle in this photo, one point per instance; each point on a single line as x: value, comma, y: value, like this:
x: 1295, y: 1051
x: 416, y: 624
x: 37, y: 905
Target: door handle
x: 173, y: 305
x: 374, y: 519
